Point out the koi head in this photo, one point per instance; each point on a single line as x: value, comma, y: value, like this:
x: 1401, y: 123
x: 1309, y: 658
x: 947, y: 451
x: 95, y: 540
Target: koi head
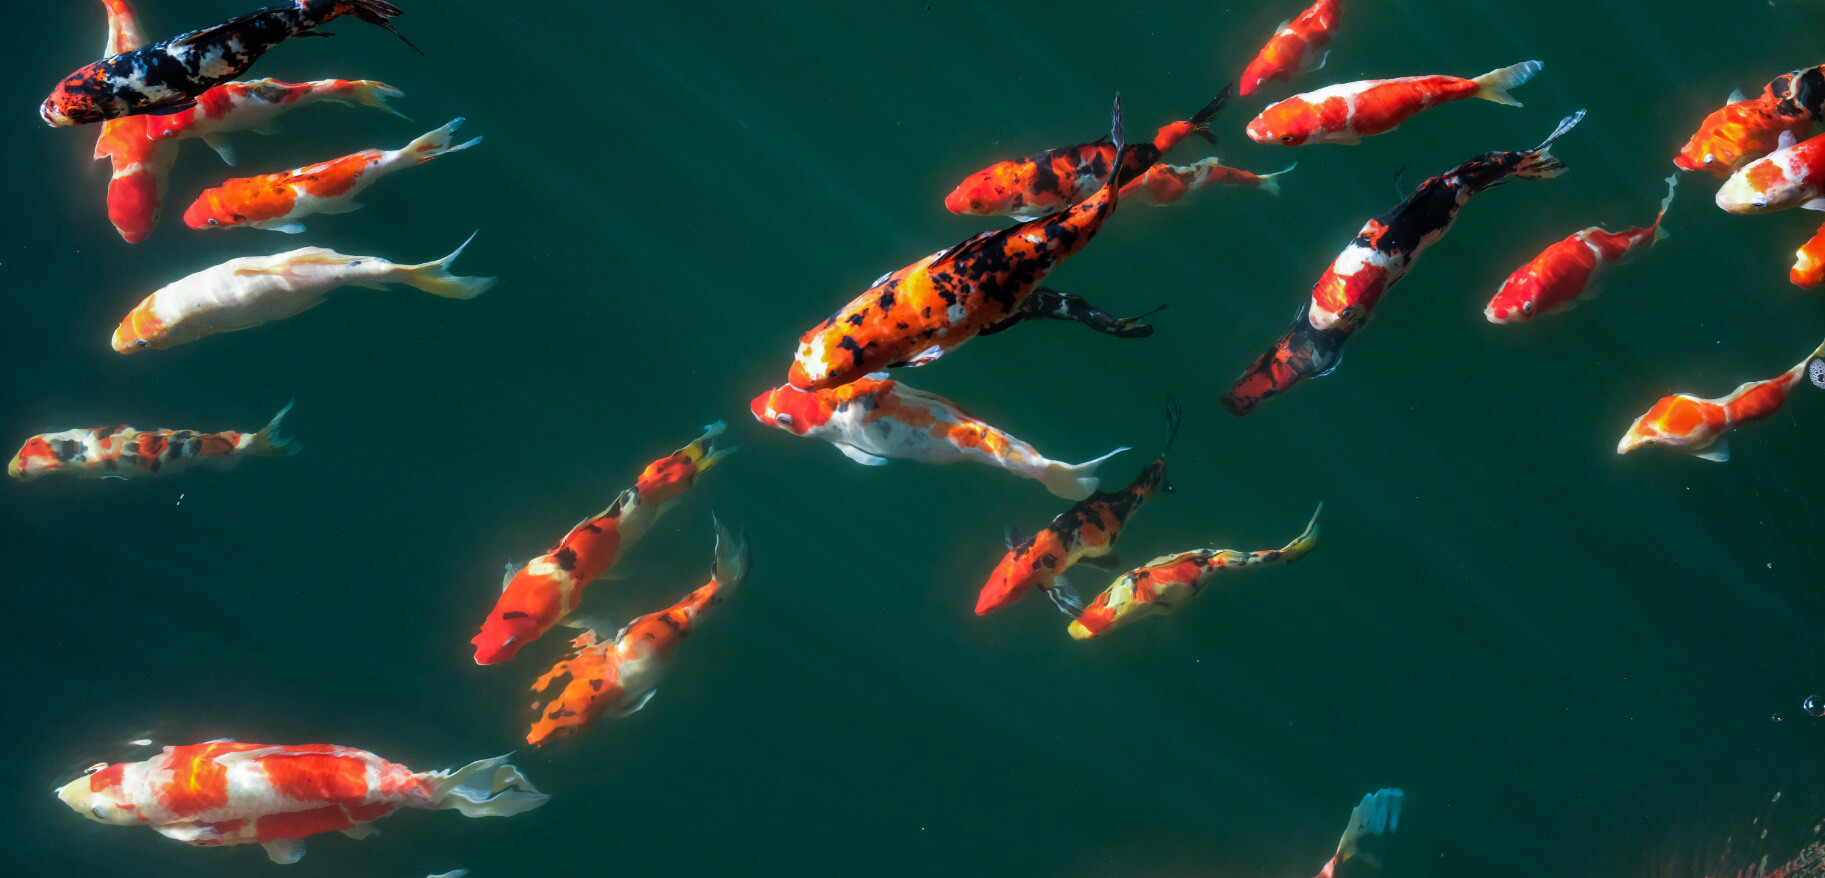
x: 134, y: 203
x: 1514, y: 304
x: 1289, y: 123
x: 37, y: 457
x: 1026, y: 566
x: 71, y: 103
x: 504, y: 634
x: 142, y: 329
x: 1679, y: 421
x: 997, y: 190
x: 99, y: 797
x: 212, y: 210
x: 669, y: 476
x: 1097, y: 619
x: 790, y: 409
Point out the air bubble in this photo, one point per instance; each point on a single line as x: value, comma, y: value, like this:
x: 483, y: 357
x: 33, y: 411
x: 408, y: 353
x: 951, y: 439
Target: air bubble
x: 1817, y: 371
x: 1813, y: 705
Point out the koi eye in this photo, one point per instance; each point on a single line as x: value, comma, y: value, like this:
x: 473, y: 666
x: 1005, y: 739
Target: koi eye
x: 94, y: 768
x: 141, y: 343
x: 1349, y: 311
x: 99, y: 812
x: 1286, y: 138
x: 783, y: 420
x: 214, y: 222
x: 1527, y: 308
x: 1759, y: 203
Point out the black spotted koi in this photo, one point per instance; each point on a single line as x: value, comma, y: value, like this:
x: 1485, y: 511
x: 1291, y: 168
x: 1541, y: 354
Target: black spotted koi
x: 124, y: 452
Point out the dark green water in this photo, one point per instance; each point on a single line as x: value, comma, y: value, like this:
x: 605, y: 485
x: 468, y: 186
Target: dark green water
x: 1568, y: 659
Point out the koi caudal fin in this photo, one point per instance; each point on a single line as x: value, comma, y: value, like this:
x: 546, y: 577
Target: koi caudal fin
x: 485, y: 788
x: 376, y: 12
x: 1538, y: 162
x: 732, y: 556
x: 1660, y: 232
x: 1494, y: 85
x: 435, y: 278
x: 268, y: 440
x: 376, y: 95
x: 1075, y: 481
x: 432, y: 144
x: 1377, y: 814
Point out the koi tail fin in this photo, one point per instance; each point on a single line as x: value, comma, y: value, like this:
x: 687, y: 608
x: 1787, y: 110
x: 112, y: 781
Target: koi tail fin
x: 1118, y: 136
x: 377, y: 12
x: 1268, y: 184
x: 1200, y: 121
x: 268, y: 440
x: 1494, y: 85
x: 1377, y: 814
x: 436, y: 279
x: 732, y: 556
x: 1538, y: 162
x: 485, y: 788
x: 1074, y: 481
x: 376, y: 95
x: 711, y: 455
x: 1660, y: 234
x: 1302, y: 544
x: 1173, y: 414
x: 432, y: 144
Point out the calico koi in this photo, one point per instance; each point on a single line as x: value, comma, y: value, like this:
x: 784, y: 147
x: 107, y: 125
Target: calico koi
x: 251, y: 290
x: 1349, y: 112
x: 542, y: 593
x: 1165, y: 184
x: 278, y: 201
x: 1697, y: 426
x: 140, y: 165
x: 1297, y: 46
x: 257, y: 104
x: 1087, y: 530
x: 1377, y: 814
x: 1809, y: 262
x: 874, y: 418
x: 619, y: 677
x: 227, y: 793
x: 124, y: 452
x: 1791, y: 176
x: 1379, y: 256
x: 170, y: 75
x: 1169, y: 582
x: 1556, y: 280
x: 1744, y: 130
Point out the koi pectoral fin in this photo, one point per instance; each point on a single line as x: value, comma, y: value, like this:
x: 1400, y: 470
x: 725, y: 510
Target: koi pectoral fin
x: 1065, y: 597
x: 860, y: 456
x: 1101, y: 562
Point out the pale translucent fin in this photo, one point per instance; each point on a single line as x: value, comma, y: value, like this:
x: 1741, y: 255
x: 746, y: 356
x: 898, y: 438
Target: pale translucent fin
x: 1494, y: 85
x: 1065, y: 597
x: 1377, y: 814
x: 1785, y: 140
x: 432, y: 144
x: 732, y: 555
x: 598, y: 624
x: 284, y: 851
x: 1075, y: 481
x: 484, y: 788
x: 222, y: 147
x: 1719, y: 452
x: 1270, y: 185
x: 287, y: 228
x: 635, y: 707
x: 268, y: 440
x: 435, y: 277
x: 1302, y: 544
x: 376, y: 95
x: 460, y: 873
x: 360, y: 831
x: 1661, y: 234
x: 860, y: 456
x: 1736, y: 96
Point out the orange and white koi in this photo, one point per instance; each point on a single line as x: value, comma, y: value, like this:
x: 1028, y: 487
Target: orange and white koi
x: 1558, y: 278
x: 1744, y: 130
x: 545, y: 591
x: 1165, y: 184
x: 1349, y: 112
x: 227, y: 793
x: 136, y: 190
x: 1297, y: 46
x: 874, y: 418
x: 1697, y: 426
x: 251, y: 290
x: 124, y: 452
x: 1791, y: 176
x: 1377, y: 814
x: 278, y: 201
x: 1809, y: 262
x: 619, y: 676
x: 1087, y: 530
x: 1169, y: 582
x: 256, y: 105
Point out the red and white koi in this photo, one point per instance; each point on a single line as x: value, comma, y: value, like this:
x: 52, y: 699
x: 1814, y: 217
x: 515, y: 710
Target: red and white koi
x: 1558, y: 278
x: 256, y: 105
x: 124, y: 452
x: 1791, y: 176
x: 875, y: 418
x: 1297, y: 46
x: 251, y: 290
x: 545, y: 591
x: 1169, y: 582
x: 136, y: 190
x: 1349, y: 112
x: 1809, y: 262
x: 618, y: 677
x: 278, y: 201
x: 1697, y: 426
x: 227, y: 793
x: 1166, y: 184
x: 1747, y: 129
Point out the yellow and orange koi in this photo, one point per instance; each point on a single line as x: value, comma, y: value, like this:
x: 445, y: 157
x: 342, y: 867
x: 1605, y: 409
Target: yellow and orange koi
x: 1744, y: 130
x: 1697, y: 426
x: 256, y: 105
x: 1809, y: 262
x: 1166, y: 184
x: 124, y: 452
x: 1349, y: 112
x: 1297, y: 46
x: 1558, y: 278
x: 136, y: 190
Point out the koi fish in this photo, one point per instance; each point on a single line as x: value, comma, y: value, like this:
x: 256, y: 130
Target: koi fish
x: 226, y: 793
x: 251, y: 290
x: 1791, y: 176
x: 619, y: 677
x: 123, y: 452
x: 1166, y: 184
x: 1169, y: 582
x: 1052, y: 180
x: 1349, y: 112
x: 1557, y: 278
x: 1747, y: 129
x: 1380, y: 255
x: 1809, y: 262
x: 1377, y: 814
x: 1087, y: 530
x: 1697, y: 426
x: 169, y: 76
x: 542, y: 593
x: 257, y: 104
x: 915, y: 315
x: 874, y: 418
x: 1297, y: 46
x: 278, y: 201
x: 136, y: 189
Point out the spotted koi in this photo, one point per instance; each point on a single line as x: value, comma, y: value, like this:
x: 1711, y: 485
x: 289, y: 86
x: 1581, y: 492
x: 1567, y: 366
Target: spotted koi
x: 548, y: 588
x: 618, y: 677
x: 1744, y: 130
x: 170, y: 75
x: 257, y: 104
x: 1169, y: 582
x: 1791, y: 176
x: 278, y: 201
x: 1166, y: 184
x: 136, y: 188
x: 1349, y: 112
x: 124, y: 452
x: 1297, y: 46
x: 1087, y: 530
x: 1809, y: 262
x: 1558, y: 278
x: 1697, y: 426
x: 227, y: 793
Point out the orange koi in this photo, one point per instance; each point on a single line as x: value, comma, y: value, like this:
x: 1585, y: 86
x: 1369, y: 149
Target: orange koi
x: 1349, y: 112
x: 1747, y: 129
x: 257, y: 104
x: 227, y: 793
x: 1557, y: 279
x: 545, y: 591
x: 1377, y: 814
x: 1809, y: 262
x: 1791, y: 176
x: 1087, y: 530
x: 124, y: 452
x: 1697, y: 426
x: 1169, y: 582
x: 1297, y: 46
x: 278, y: 201
x: 620, y: 676
x: 1166, y: 184
x: 136, y: 189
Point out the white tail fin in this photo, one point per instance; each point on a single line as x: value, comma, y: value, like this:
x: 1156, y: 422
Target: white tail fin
x: 1270, y: 185
x: 1377, y: 814
x: 732, y: 556
x: 485, y: 788
x: 376, y: 95
x: 1075, y: 481
x: 1494, y: 85
x: 1660, y: 234
x: 432, y: 144
x: 435, y: 278
x: 268, y: 440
